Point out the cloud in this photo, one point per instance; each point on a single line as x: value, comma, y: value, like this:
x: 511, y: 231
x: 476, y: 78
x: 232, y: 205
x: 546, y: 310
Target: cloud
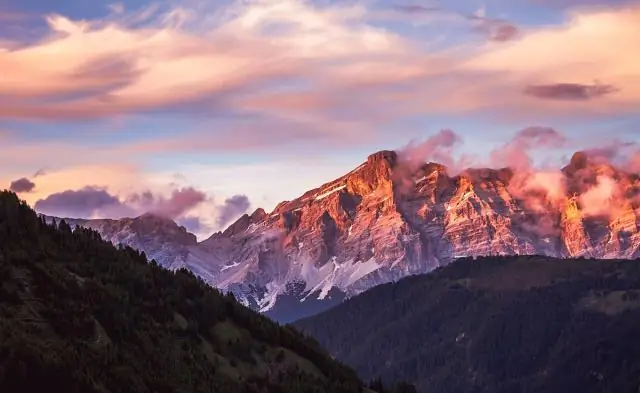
x: 615, y: 152
x: 540, y: 55
x: 187, y: 206
x: 22, y: 185
x: 499, y: 30
x: 40, y: 172
x: 232, y: 208
x: 98, y: 202
x: 569, y: 91
x: 552, y: 183
x: 600, y: 200
x: 116, y: 8
x: 416, y: 9
x: 166, y: 62
x: 194, y: 225
x: 436, y: 148
x: 258, y: 135
x: 494, y: 28
x: 634, y: 162
x: 504, y: 32
x: 177, y: 204
x: 575, y: 3
x: 305, y: 63
x: 88, y: 202
x: 539, y: 189
x: 515, y: 154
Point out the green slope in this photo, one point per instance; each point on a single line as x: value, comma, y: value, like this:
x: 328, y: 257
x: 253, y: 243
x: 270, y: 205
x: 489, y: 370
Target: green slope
x: 79, y: 315
x: 496, y: 325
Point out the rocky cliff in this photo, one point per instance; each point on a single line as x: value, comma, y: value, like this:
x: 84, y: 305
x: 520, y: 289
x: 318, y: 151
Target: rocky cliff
x: 389, y: 218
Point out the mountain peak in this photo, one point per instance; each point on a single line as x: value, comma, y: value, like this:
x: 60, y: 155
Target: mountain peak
x: 242, y: 223
x: 154, y: 220
x: 258, y: 214
x: 384, y: 155
x: 579, y: 160
x: 153, y: 216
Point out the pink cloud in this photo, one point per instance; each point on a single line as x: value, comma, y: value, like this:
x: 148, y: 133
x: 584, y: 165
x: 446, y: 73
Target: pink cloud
x: 600, y: 200
x: 612, y: 152
x: 348, y: 65
x: 493, y: 28
x: 573, y: 3
x: 515, y: 154
x: 176, y: 205
x: 540, y: 192
x: 129, y: 69
x: 436, y: 148
x: 552, y: 183
x: 634, y: 163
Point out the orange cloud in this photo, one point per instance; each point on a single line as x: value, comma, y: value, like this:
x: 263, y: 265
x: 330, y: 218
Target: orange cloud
x: 634, y: 165
x: 600, y: 200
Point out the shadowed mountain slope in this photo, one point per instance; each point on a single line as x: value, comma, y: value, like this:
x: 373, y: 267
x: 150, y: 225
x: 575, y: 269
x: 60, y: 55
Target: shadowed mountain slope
x: 496, y: 325
x: 79, y: 315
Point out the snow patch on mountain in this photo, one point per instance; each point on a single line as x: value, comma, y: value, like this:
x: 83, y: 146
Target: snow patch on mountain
x: 328, y: 193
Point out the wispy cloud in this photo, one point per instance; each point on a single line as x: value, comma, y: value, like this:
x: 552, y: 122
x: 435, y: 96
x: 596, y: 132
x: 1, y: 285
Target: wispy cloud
x: 515, y: 154
x: 111, y: 67
x: 495, y: 29
x: 303, y: 63
x: 589, y: 3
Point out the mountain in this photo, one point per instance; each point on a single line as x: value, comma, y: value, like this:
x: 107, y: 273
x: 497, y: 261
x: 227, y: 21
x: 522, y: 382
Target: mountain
x: 79, y: 315
x: 392, y: 217
x: 159, y: 237
x: 496, y: 325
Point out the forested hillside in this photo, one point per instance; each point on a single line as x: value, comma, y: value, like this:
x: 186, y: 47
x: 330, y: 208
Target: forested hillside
x: 78, y: 315
x: 496, y: 325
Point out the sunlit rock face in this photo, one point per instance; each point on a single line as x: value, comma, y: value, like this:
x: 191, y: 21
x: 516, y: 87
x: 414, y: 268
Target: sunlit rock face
x: 383, y: 221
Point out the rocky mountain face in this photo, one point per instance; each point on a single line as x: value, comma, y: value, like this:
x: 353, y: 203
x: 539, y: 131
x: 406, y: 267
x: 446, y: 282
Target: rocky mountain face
x: 159, y: 237
x: 390, y: 218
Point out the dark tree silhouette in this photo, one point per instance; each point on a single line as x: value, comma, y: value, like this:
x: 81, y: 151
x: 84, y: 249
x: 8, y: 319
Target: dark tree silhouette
x: 79, y: 315
x: 496, y: 325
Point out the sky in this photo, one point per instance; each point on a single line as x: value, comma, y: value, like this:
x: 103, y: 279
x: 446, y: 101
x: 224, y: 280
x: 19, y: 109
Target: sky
x: 204, y: 110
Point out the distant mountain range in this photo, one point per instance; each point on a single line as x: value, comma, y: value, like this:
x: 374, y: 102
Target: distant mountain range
x: 496, y: 325
x: 390, y: 218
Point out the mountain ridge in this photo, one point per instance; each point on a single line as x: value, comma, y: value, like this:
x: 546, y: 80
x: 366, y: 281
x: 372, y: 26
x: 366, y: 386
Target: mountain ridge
x: 528, y: 324
x: 395, y: 216
x: 81, y: 315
